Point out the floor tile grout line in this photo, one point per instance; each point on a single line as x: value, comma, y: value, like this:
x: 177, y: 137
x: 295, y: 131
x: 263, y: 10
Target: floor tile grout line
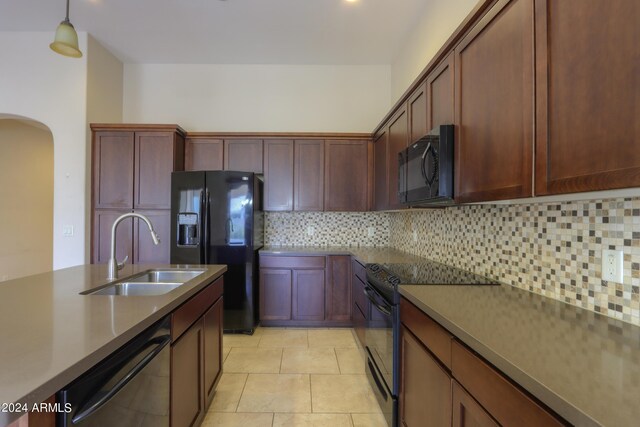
x: 242, y: 392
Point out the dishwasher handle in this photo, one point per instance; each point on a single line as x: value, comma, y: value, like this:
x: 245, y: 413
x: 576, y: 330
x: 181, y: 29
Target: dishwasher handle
x: 101, y: 398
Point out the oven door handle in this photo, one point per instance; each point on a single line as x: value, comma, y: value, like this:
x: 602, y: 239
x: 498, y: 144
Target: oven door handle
x: 371, y: 296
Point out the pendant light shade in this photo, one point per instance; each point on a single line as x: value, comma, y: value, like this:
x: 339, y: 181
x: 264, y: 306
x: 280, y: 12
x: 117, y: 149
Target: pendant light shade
x: 66, y: 39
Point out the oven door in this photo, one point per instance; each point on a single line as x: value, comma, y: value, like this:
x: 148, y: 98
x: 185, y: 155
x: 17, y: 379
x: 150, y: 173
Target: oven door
x: 380, y: 340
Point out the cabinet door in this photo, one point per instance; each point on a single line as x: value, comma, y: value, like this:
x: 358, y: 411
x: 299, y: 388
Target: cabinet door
x: 467, y: 412
x: 308, y: 295
x: 278, y: 175
x: 494, y: 105
x: 102, y: 223
x: 346, y: 175
x: 212, y: 348
x: 440, y: 94
x: 425, y: 388
x: 417, y: 110
x: 380, y: 166
x: 398, y: 141
x: 588, y: 95
x: 154, y: 162
x: 204, y: 154
x: 145, y: 251
x: 275, y: 294
x: 113, y: 170
x: 244, y: 155
x: 338, y: 298
x: 187, y: 391
x: 308, y: 172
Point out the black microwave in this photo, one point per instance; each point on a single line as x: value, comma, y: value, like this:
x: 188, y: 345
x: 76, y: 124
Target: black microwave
x: 425, y: 170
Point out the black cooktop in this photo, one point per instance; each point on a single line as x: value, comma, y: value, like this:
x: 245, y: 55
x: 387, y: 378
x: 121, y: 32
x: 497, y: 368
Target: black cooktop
x: 386, y: 277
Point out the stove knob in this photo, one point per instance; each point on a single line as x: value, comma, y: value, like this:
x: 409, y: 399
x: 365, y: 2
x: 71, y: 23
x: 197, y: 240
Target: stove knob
x: 394, y: 281
x: 374, y: 267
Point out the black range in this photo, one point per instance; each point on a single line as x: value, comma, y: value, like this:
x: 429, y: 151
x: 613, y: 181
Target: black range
x: 382, y: 333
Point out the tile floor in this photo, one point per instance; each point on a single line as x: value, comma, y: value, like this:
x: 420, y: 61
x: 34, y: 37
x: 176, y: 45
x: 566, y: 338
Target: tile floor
x: 293, y: 377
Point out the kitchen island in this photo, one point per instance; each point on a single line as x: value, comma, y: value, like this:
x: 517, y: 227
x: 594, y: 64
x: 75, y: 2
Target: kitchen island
x: 51, y: 333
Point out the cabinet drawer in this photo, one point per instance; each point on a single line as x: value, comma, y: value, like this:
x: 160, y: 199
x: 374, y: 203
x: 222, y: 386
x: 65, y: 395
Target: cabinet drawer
x: 504, y: 401
x: 292, y: 262
x: 191, y: 310
x: 432, y: 335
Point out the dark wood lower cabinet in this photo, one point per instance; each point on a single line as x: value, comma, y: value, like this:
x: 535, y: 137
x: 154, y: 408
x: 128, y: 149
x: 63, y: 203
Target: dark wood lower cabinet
x: 187, y: 387
x: 305, y: 290
x: 275, y: 294
x: 308, y: 295
x: 444, y: 383
x: 338, y: 291
x: 425, y: 387
x: 196, y: 355
x: 212, y: 348
x: 467, y: 412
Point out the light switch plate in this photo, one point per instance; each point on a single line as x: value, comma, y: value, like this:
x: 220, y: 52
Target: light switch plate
x: 371, y: 231
x: 612, y: 266
x: 67, y: 230
x: 311, y: 231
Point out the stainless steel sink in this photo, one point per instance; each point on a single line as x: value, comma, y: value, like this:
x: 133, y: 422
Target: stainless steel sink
x: 148, y: 283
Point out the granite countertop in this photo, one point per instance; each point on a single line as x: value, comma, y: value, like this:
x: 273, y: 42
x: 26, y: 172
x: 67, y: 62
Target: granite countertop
x: 583, y: 365
x: 51, y: 334
x: 364, y: 254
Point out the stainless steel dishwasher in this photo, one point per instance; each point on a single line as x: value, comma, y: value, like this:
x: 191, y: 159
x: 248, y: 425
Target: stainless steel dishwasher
x: 129, y: 388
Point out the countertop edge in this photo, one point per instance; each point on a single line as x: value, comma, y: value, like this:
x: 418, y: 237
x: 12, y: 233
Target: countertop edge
x: 60, y: 380
x: 563, y: 408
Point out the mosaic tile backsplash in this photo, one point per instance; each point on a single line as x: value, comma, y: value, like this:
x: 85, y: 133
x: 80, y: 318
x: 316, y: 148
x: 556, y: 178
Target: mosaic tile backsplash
x: 327, y: 229
x: 553, y: 249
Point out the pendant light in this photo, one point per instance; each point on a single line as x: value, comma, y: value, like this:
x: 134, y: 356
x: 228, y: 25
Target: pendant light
x: 66, y: 39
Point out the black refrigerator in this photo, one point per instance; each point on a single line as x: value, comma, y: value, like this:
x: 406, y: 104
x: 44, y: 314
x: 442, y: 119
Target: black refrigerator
x: 217, y: 218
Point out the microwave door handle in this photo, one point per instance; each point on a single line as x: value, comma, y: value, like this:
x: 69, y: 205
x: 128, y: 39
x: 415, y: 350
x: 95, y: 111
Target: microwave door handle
x: 423, y: 170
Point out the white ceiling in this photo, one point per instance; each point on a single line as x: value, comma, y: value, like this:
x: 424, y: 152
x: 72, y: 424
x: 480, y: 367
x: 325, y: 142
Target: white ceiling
x: 233, y: 31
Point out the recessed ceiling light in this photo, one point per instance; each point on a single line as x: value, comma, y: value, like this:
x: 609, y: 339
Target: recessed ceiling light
x: 351, y: 1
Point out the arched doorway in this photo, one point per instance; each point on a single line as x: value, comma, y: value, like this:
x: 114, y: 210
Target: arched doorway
x: 26, y: 197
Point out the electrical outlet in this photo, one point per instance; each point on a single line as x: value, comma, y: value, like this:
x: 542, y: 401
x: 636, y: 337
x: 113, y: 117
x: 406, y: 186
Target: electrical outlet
x: 311, y: 231
x: 415, y: 236
x: 612, y: 265
x: 371, y: 231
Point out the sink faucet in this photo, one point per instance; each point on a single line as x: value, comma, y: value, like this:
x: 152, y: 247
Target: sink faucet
x: 114, y: 266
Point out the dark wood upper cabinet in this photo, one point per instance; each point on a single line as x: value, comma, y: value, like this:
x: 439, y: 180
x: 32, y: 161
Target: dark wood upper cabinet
x: 440, y: 94
x: 145, y: 251
x: 398, y: 141
x: 308, y: 295
x: 338, y: 289
x: 101, y: 238
x: 494, y: 105
x: 308, y: 172
x: 417, y: 110
x: 244, y: 155
x: 157, y: 154
x: 113, y: 169
x: 587, y: 95
x: 346, y: 175
x: 204, y: 154
x: 380, y: 170
x: 278, y: 175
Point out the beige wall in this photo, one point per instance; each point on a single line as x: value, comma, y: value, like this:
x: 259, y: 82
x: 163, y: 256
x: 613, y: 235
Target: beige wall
x: 51, y: 89
x: 26, y: 211
x: 433, y: 28
x: 104, y: 105
x: 259, y: 98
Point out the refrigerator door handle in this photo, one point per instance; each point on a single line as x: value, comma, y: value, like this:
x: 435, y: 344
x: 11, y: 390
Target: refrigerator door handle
x: 206, y: 227
x: 201, y: 220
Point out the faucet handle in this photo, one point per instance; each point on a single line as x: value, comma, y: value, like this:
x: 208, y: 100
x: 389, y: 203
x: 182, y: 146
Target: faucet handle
x: 120, y: 265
